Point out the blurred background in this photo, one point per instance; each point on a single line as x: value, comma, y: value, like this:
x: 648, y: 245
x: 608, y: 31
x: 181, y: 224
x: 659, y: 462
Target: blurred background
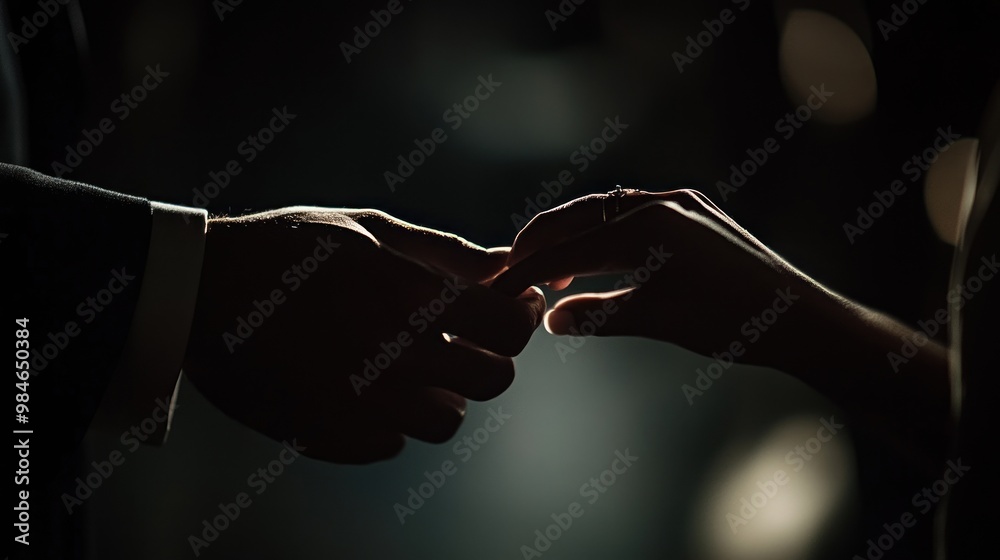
x: 697, y: 87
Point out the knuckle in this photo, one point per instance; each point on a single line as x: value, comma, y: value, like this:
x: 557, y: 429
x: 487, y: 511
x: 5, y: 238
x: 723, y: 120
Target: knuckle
x: 687, y: 198
x: 688, y: 191
x: 371, y: 214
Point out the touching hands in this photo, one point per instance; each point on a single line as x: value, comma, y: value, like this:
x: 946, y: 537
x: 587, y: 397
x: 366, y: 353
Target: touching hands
x: 350, y: 329
x: 687, y: 273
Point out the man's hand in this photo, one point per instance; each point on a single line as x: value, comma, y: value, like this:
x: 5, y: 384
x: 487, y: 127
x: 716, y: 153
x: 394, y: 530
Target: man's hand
x: 330, y: 326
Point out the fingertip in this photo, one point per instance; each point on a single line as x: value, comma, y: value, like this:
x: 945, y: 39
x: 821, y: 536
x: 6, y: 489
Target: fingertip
x: 559, y: 321
x: 440, y: 418
x: 470, y: 371
x: 561, y: 284
x: 450, y: 400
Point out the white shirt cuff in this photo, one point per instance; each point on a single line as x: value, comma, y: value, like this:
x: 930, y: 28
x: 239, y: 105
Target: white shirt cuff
x: 142, y: 392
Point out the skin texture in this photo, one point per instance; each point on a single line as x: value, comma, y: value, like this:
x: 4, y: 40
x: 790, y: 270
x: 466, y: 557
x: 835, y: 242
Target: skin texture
x: 717, y: 278
x: 300, y: 373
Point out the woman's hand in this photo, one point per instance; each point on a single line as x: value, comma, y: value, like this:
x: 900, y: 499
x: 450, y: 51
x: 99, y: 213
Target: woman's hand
x: 690, y: 275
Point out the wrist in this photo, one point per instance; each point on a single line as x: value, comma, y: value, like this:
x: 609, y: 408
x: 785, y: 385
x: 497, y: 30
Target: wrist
x: 872, y: 366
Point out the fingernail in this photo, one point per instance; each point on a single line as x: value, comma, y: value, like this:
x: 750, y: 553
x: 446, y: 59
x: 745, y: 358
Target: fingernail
x: 558, y: 321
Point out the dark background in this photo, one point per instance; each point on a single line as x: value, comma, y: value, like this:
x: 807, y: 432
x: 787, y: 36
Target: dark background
x: 685, y: 130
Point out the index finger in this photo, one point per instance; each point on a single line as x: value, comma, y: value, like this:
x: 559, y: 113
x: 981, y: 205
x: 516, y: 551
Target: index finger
x: 553, y: 227
x: 617, y: 246
x: 445, y: 251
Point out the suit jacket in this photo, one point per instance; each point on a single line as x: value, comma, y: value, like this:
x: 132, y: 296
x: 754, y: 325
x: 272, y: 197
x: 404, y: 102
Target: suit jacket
x: 75, y: 255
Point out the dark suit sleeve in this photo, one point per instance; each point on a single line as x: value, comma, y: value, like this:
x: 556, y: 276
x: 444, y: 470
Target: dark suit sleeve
x: 76, y: 255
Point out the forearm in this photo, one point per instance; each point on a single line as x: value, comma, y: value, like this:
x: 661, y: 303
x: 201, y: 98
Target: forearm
x: 856, y: 357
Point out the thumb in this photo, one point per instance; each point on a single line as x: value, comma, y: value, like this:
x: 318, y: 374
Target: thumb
x: 597, y: 314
